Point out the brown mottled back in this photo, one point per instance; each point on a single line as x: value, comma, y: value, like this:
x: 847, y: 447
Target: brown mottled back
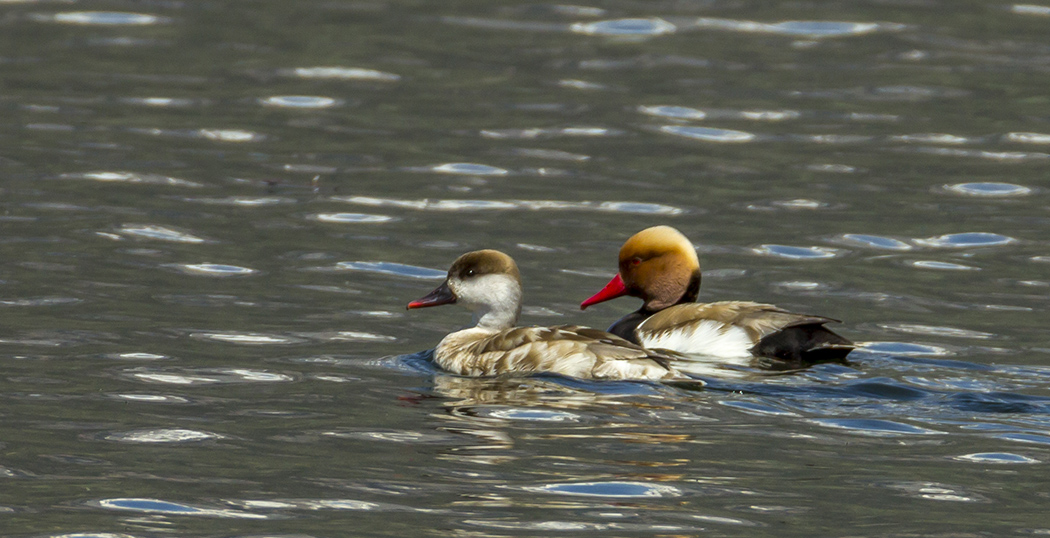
x: 758, y: 319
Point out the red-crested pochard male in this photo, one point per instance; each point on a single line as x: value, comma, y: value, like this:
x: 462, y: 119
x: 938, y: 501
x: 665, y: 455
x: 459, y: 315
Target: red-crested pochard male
x: 487, y: 283
x: 659, y: 265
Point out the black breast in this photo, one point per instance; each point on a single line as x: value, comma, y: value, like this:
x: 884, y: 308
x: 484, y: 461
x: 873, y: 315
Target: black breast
x: 624, y: 328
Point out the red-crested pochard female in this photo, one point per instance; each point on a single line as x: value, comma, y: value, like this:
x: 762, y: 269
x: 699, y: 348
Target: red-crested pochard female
x: 487, y: 283
x: 659, y: 265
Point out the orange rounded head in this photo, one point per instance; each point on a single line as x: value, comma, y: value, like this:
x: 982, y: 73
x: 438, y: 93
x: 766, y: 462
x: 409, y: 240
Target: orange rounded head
x: 658, y: 265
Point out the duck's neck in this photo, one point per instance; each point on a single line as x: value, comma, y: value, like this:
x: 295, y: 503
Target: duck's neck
x: 667, y: 297
x: 692, y: 291
x: 496, y: 319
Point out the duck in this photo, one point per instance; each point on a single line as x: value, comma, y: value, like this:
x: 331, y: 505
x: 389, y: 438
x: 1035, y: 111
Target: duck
x: 488, y: 283
x: 659, y: 265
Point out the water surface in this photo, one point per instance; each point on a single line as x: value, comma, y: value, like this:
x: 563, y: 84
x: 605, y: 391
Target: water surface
x: 213, y: 215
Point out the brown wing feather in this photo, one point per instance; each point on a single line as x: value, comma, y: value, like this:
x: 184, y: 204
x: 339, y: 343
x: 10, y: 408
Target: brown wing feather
x: 758, y: 319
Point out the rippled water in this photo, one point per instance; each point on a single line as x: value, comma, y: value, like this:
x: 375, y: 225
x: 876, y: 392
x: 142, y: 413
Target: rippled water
x: 213, y: 215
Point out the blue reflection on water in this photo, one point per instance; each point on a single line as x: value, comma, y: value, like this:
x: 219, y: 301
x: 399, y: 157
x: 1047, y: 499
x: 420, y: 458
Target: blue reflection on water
x: 398, y: 269
x: 876, y: 241
x: 626, y: 27
x: 967, y: 239
x: 611, y: 489
x: 151, y: 505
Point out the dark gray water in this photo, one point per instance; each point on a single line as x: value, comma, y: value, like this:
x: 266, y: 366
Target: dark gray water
x: 200, y: 339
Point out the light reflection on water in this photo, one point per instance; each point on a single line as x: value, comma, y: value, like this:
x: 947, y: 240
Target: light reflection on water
x: 213, y: 218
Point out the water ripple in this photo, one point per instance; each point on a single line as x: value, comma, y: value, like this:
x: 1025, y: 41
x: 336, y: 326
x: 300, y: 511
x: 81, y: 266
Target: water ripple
x: 206, y: 376
x: 626, y: 27
x: 903, y: 348
x: 299, y: 101
x: 389, y: 268
x: 341, y: 73
x: 621, y: 490
x: 534, y: 415
x: 151, y: 398
x: 932, y: 138
x: 943, y: 266
x: 544, y: 528
x: 874, y: 241
x: 243, y: 201
x: 252, y: 339
x: 708, y: 134
x: 1028, y: 138
x: 798, y: 203
x: 90, y: 534
x: 535, y: 205
x: 469, y: 169
x: 885, y: 389
x: 1030, y: 9
x: 755, y: 408
x: 874, y: 427
x: 150, y: 231
x: 229, y: 135
x: 1025, y: 438
x: 551, y: 154
x: 1002, y: 156
x: 529, y: 134
x: 132, y: 177
x: 996, y: 458
x: 577, y: 84
x: 338, y: 504
x: 915, y: 328
x: 163, y: 102
x: 348, y: 336
x: 213, y: 269
x: 139, y: 356
x: 170, y: 435
x: 989, y: 189
x: 353, y: 218
x: 677, y: 112
x: 391, y: 436
x: 100, y: 18
x: 966, y: 240
x: 797, y: 253
x: 40, y: 301
x: 811, y: 29
x: 999, y: 402
x: 156, y: 506
x: 935, y: 492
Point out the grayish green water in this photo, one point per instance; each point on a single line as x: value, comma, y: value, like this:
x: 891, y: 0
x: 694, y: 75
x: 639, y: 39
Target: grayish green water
x: 198, y: 339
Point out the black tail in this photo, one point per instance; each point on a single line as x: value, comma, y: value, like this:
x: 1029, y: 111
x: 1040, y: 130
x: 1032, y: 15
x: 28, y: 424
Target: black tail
x: 804, y: 344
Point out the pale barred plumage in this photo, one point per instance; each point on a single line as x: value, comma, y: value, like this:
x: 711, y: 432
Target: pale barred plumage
x: 660, y: 266
x: 566, y: 350
x: 487, y: 282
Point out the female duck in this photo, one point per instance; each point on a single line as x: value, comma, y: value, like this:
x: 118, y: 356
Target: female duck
x: 487, y: 283
x: 659, y: 265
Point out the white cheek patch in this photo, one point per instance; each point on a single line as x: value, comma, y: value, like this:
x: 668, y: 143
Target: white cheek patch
x: 497, y: 291
x: 708, y: 337
x: 494, y: 299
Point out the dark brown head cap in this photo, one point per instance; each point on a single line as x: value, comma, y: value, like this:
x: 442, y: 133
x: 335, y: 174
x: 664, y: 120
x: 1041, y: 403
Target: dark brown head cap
x: 483, y: 262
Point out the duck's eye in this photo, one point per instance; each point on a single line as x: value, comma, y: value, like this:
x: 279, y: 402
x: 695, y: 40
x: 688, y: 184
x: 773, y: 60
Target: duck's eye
x: 470, y: 273
x: 636, y: 261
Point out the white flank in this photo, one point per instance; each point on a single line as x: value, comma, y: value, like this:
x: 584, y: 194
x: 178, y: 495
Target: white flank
x: 706, y: 343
